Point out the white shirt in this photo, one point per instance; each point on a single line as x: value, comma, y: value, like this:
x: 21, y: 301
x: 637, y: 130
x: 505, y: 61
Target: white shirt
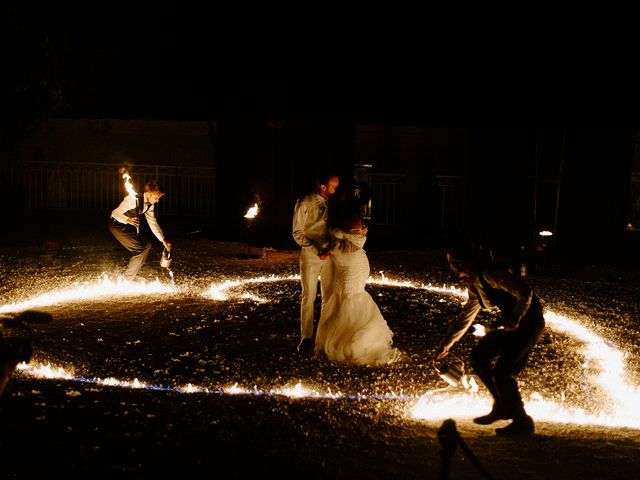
x: 129, y: 203
x: 310, y: 216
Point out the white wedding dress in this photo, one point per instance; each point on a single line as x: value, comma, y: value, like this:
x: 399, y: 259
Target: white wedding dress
x: 351, y: 327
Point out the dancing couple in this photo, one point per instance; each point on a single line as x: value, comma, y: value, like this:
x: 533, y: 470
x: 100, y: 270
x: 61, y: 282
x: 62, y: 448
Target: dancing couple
x: 332, y: 235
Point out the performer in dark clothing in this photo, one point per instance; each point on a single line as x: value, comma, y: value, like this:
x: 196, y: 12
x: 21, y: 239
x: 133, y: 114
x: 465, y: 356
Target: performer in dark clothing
x: 500, y: 355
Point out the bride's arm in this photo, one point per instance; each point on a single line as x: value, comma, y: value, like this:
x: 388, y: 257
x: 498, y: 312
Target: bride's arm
x: 347, y: 240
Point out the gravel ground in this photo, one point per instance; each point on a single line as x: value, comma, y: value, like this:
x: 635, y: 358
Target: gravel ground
x: 80, y: 426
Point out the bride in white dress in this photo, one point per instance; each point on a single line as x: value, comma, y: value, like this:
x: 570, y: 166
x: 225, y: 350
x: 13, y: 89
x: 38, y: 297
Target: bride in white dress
x: 351, y: 327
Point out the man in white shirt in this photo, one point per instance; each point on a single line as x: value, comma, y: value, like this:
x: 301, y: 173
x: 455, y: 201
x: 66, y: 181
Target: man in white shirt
x: 124, y: 224
x: 310, y: 230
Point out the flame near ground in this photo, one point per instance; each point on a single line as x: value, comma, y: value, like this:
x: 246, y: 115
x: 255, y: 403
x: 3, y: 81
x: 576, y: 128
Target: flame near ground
x: 606, y: 366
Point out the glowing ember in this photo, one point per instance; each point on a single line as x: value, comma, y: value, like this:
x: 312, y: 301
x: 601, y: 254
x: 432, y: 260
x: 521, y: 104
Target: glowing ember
x: 252, y: 212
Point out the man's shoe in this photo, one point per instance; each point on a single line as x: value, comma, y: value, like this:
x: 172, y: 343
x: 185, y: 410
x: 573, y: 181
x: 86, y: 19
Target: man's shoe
x: 491, y: 417
x: 519, y: 426
x: 305, y: 346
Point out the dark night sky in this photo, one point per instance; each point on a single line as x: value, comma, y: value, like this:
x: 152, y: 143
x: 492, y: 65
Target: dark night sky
x: 115, y: 59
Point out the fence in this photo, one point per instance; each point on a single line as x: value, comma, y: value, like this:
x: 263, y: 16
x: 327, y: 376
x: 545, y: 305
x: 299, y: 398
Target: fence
x: 387, y: 202
x: 190, y: 191
x: 384, y: 204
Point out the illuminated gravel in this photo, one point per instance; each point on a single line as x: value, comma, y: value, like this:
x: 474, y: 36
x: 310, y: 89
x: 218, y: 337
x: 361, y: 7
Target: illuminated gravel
x: 185, y: 338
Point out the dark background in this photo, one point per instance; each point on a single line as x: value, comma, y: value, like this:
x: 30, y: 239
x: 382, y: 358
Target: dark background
x: 112, y: 58
x: 327, y: 70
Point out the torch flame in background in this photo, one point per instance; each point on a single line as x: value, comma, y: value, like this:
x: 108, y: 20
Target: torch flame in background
x: 252, y: 212
x: 603, y: 368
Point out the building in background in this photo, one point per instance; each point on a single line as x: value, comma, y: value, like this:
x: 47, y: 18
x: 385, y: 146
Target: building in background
x: 499, y: 186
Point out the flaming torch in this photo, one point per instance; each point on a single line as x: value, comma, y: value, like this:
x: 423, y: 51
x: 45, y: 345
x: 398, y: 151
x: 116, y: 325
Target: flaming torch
x: 252, y: 212
x: 251, y: 215
x: 129, y: 187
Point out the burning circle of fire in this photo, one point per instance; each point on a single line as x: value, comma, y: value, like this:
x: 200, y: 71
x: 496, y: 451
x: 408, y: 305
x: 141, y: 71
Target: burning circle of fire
x: 609, y: 373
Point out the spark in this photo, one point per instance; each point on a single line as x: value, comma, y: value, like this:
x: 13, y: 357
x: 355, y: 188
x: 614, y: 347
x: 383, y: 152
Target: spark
x: 226, y: 290
x: 603, y: 368
x: 223, y: 291
x: 606, y: 369
x: 298, y: 390
x: 609, y: 371
x: 103, y: 287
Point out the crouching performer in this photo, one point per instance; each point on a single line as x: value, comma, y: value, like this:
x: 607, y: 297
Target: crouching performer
x: 499, y: 355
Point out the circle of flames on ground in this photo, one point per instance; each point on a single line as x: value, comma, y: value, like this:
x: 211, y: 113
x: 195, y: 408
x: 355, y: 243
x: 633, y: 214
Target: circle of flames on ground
x: 605, y: 363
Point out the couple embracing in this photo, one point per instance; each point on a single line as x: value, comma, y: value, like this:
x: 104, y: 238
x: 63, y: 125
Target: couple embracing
x: 332, y: 235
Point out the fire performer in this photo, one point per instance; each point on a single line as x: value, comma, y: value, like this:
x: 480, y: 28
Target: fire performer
x: 124, y: 224
x: 499, y: 355
x: 310, y: 230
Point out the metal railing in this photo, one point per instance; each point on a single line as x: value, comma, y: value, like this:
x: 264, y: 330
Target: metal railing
x: 190, y: 191
x: 386, y: 205
x: 383, y: 207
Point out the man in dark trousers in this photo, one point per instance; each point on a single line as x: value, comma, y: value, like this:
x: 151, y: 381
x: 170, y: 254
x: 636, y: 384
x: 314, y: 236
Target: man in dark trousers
x: 124, y: 224
x: 502, y: 352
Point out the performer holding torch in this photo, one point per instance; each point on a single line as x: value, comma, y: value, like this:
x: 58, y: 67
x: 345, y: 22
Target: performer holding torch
x: 124, y: 223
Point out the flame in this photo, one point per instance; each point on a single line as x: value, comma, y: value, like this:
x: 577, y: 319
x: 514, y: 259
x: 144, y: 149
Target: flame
x: 604, y: 366
x: 297, y: 391
x: 221, y: 291
x: 103, y: 287
x: 224, y: 290
x: 45, y: 371
x: 479, y: 330
x: 252, y: 212
x: 127, y: 182
x: 470, y: 383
